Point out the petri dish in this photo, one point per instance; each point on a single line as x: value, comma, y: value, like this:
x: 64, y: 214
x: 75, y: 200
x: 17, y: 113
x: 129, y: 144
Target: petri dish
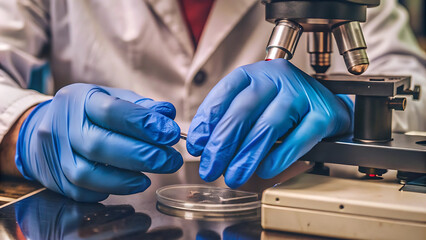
x: 204, y: 198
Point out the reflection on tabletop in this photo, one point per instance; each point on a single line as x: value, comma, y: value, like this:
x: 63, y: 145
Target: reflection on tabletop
x: 48, y: 215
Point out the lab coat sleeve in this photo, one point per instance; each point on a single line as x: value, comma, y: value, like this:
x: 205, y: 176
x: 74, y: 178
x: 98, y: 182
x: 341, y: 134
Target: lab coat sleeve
x: 23, y: 38
x: 393, y: 50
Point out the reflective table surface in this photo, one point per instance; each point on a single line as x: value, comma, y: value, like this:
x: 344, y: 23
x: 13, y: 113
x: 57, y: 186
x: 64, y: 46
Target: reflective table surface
x: 47, y: 215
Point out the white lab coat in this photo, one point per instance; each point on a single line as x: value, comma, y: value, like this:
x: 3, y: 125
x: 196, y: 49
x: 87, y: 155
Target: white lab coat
x: 145, y: 46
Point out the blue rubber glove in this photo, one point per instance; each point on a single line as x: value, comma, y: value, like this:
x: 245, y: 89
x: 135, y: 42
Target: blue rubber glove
x: 90, y: 141
x: 235, y: 128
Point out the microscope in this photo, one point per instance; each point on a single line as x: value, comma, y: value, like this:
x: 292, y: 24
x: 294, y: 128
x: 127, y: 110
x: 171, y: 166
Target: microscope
x: 322, y: 203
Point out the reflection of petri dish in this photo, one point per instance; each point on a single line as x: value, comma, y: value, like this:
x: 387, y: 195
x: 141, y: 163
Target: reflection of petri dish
x: 203, y: 198
x: 253, y: 214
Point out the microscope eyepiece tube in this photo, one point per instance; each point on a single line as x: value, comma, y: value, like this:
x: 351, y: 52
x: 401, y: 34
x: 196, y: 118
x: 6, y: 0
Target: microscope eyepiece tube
x: 320, y: 48
x: 283, y: 40
x: 351, y: 44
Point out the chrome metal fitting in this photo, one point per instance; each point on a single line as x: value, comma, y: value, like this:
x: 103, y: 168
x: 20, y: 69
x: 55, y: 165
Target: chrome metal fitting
x: 320, y: 48
x: 283, y: 40
x: 351, y: 44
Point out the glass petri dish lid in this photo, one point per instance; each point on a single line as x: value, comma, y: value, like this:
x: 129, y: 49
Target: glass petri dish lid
x: 204, y: 198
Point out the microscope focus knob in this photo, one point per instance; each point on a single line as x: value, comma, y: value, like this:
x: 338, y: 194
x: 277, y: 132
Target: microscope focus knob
x: 397, y: 103
x: 415, y: 92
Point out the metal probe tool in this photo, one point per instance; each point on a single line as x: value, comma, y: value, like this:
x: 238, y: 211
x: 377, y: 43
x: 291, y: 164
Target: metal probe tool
x: 184, y: 136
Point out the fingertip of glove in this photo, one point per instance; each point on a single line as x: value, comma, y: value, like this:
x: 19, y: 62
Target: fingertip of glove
x: 144, y: 185
x: 207, y: 178
x: 178, y: 162
x: 235, y: 177
x: 175, y: 138
x: 165, y: 131
x: 232, y: 183
x: 265, y: 173
x: 165, y: 108
x: 205, y: 175
x: 195, y: 142
x: 193, y: 149
x: 173, y: 135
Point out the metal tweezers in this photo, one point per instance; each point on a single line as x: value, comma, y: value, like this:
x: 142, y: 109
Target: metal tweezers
x: 183, y: 136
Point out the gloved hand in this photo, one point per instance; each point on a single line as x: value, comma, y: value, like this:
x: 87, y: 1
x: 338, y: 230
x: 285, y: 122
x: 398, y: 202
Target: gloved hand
x: 90, y: 141
x: 235, y: 128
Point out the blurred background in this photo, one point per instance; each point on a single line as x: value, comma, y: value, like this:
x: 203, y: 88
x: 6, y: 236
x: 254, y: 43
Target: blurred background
x: 417, y: 10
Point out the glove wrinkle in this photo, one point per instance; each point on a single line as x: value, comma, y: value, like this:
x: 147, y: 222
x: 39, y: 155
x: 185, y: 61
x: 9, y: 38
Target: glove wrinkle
x: 213, y: 108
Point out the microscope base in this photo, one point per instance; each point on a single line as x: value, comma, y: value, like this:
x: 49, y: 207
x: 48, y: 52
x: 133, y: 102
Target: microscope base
x: 344, y: 208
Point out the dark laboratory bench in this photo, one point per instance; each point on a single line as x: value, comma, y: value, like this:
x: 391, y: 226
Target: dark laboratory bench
x: 13, y: 188
x: 47, y: 215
